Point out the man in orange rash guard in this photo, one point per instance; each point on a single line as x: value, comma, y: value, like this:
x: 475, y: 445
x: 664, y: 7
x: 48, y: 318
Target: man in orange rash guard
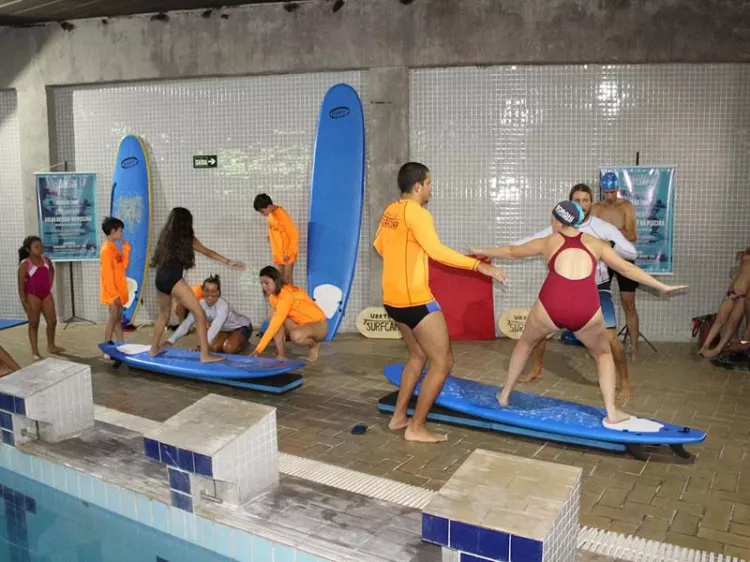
x: 282, y: 234
x: 294, y: 312
x: 406, y: 238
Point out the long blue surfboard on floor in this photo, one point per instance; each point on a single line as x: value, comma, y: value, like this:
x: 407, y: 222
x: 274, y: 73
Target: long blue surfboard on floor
x: 6, y: 323
x: 336, y: 197
x: 131, y: 203
x: 182, y: 362
x: 545, y: 415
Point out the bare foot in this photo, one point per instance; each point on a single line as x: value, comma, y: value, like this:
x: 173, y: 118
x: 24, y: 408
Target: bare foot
x: 211, y: 358
x: 625, y: 391
x: 710, y: 354
x: 55, y: 349
x: 619, y: 416
x: 312, y: 355
x: 423, y: 436
x: 156, y: 352
x: 280, y: 357
x: 533, y: 375
x: 398, y: 422
x: 4, y: 370
x: 503, y: 400
x: 106, y: 357
x: 37, y: 357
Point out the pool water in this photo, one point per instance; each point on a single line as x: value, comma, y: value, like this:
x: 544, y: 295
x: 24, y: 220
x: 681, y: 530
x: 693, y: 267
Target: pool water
x: 42, y: 524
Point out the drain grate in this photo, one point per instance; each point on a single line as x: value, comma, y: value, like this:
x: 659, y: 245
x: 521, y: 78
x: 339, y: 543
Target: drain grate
x: 636, y: 549
x: 356, y: 482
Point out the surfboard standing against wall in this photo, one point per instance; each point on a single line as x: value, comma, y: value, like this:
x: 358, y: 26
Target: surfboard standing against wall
x: 336, y: 198
x: 131, y: 203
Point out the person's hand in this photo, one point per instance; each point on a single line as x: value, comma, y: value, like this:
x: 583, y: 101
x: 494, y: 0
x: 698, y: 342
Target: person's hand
x: 492, y: 271
x: 236, y: 264
x: 125, y: 244
x: 669, y: 289
x: 195, y: 348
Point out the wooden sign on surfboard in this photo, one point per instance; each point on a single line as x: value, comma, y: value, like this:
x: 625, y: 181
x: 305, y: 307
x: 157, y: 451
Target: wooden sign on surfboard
x: 374, y: 322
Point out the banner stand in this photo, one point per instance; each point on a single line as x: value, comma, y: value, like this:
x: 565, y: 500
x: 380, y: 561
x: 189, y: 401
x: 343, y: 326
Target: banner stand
x: 73, y: 317
x: 651, y: 190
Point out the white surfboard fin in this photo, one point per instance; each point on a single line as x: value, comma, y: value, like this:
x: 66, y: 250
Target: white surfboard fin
x: 133, y: 348
x: 634, y: 425
x: 328, y: 298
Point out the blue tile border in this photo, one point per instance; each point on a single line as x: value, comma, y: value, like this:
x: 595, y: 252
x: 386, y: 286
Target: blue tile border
x: 12, y: 404
x: 434, y: 529
x: 178, y: 458
x: 525, y: 549
x: 9, y: 438
x: 6, y: 421
x: 179, y: 480
x: 155, y: 514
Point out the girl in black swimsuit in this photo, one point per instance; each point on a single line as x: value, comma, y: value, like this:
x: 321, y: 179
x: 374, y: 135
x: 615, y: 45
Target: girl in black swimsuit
x: 175, y: 252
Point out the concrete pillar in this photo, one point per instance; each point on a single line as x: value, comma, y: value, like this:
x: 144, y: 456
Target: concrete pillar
x: 388, y: 148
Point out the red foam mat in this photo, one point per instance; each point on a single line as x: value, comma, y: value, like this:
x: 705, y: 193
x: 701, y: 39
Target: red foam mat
x: 467, y: 301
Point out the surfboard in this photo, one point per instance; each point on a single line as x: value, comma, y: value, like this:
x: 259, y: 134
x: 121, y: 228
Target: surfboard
x: 183, y: 362
x: 336, y: 197
x: 374, y: 322
x: 131, y: 203
x: 537, y: 413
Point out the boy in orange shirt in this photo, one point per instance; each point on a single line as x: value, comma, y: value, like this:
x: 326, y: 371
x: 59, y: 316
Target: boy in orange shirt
x: 113, y: 282
x: 282, y: 234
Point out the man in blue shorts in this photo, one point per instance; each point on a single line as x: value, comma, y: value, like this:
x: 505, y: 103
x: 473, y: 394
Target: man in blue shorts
x: 581, y: 194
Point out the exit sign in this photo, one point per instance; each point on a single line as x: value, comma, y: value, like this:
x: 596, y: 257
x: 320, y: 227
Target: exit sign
x: 205, y: 161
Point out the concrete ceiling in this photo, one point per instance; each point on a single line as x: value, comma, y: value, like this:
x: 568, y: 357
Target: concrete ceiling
x: 26, y: 12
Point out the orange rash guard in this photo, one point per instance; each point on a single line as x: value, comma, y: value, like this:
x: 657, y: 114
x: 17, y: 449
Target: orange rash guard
x: 112, y: 280
x: 293, y: 303
x: 284, y: 237
x: 406, y: 238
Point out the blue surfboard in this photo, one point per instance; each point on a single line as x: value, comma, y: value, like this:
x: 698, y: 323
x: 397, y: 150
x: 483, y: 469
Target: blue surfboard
x: 544, y: 414
x: 183, y: 362
x: 131, y: 203
x: 336, y: 197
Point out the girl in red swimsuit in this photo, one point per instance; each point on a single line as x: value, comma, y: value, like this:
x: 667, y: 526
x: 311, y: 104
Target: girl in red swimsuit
x: 569, y: 298
x: 35, y: 277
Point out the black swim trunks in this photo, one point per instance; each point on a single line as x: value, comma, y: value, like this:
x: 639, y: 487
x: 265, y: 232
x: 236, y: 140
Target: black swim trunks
x: 411, y: 315
x: 167, y: 276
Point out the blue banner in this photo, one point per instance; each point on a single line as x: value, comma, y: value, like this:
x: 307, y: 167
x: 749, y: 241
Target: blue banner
x: 67, y: 215
x: 651, y: 191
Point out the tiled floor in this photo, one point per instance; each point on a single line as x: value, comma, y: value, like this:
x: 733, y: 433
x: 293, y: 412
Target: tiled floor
x: 702, y: 503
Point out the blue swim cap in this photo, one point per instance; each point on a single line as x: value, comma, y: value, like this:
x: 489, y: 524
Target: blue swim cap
x: 608, y: 181
x: 568, y: 212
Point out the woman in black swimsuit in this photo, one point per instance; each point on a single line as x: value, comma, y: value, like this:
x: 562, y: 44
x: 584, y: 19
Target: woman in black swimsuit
x: 175, y: 252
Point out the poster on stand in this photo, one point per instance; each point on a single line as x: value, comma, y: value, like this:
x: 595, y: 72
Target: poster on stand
x: 651, y: 191
x: 67, y: 215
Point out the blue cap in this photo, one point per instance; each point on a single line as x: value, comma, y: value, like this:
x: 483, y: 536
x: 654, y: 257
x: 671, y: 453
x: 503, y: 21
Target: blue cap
x: 608, y: 181
x: 568, y: 212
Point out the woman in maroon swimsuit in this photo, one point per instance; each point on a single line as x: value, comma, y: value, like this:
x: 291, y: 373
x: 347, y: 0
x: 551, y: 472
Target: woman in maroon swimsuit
x: 569, y: 298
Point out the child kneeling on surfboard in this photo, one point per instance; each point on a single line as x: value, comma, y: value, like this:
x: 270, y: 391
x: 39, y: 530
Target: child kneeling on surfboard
x: 293, y: 312
x: 229, y: 331
x: 113, y: 283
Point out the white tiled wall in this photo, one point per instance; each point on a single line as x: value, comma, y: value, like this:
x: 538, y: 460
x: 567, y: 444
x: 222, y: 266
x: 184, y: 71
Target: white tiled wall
x: 505, y: 143
x: 263, y: 130
x: 11, y: 217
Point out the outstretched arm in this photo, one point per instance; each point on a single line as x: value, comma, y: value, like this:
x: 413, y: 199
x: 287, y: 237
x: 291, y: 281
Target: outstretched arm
x: 421, y: 224
x: 631, y: 271
x: 215, y: 255
x: 533, y: 248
